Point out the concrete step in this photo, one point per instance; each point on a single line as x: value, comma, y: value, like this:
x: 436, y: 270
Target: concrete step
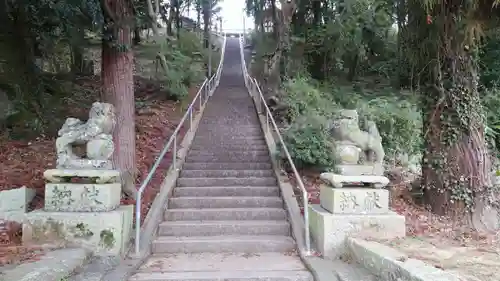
x: 225, y: 158
x: 229, y: 181
x: 250, y: 275
x: 231, y: 147
x: 229, y: 140
x: 221, y: 152
x: 226, y: 138
x: 223, y: 244
x: 219, y: 191
x: 216, y: 262
x: 229, y: 131
x: 229, y: 144
x: 221, y: 123
x: 226, y: 166
x: 225, y: 202
x: 225, y: 214
x: 226, y: 173
x: 229, y: 158
x: 219, y: 228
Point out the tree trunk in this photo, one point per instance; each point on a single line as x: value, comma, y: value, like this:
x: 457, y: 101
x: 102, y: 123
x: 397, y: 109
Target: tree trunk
x: 198, y: 16
x: 401, y: 15
x: 137, y: 35
x: 206, y: 29
x: 171, y: 13
x: 275, y: 20
x: 456, y: 164
x: 178, y: 18
x: 118, y: 88
x: 316, y: 67
x: 152, y: 14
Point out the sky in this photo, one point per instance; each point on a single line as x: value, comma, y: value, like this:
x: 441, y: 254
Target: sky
x: 232, y: 14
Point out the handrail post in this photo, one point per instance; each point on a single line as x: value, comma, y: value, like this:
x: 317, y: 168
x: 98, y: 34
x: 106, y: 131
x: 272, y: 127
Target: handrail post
x: 190, y: 119
x: 138, y: 223
x: 174, y: 152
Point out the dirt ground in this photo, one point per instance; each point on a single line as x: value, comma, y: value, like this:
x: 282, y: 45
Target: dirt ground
x: 472, y: 260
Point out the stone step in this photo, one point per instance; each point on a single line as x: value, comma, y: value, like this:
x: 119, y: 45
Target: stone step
x: 231, y: 147
x: 225, y: 214
x: 227, y: 275
x: 225, y: 158
x: 221, y: 152
x: 219, y: 139
x: 227, y: 166
x: 227, y: 123
x: 219, y: 228
x: 226, y: 173
x: 229, y: 131
x: 216, y: 262
x: 228, y: 181
x: 225, y: 202
x: 226, y: 138
x: 225, y: 135
x: 243, y: 144
x: 219, y: 191
x: 223, y: 244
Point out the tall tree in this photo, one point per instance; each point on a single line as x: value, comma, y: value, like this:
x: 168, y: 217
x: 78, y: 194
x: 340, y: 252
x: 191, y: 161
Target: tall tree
x: 118, y: 85
x: 456, y: 162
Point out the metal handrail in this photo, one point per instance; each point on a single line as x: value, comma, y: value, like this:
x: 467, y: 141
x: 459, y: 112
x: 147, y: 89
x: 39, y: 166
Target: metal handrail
x: 204, y: 93
x: 253, y: 87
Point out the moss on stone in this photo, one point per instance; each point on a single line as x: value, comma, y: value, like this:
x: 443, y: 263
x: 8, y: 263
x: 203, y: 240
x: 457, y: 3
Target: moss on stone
x: 107, y: 238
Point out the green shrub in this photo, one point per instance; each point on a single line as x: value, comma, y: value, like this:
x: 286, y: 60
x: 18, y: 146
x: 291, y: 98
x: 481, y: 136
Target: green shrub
x: 309, y: 110
x: 398, y: 121
x: 304, y: 97
x: 182, y: 69
x: 309, y: 143
x: 309, y: 103
x: 491, y: 101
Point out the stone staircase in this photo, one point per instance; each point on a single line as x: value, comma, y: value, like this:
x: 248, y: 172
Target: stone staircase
x: 226, y: 219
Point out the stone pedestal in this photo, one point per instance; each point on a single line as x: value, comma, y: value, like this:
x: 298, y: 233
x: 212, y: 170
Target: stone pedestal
x: 14, y: 203
x: 330, y: 231
x: 84, y: 214
x: 352, y: 211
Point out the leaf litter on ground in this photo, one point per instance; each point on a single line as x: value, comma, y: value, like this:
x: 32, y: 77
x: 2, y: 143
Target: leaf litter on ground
x: 24, y: 161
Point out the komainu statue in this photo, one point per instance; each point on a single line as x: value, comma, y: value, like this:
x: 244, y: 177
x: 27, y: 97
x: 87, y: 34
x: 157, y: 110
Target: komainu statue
x: 96, y: 134
x: 351, y: 140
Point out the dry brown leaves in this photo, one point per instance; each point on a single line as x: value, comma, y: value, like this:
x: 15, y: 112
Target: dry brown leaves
x: 23, y: 162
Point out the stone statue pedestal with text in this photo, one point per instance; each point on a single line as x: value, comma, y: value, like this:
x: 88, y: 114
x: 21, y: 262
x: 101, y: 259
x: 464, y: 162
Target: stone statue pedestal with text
x: 353, y: 210
x: 82, y: 195
x: 353, y: 201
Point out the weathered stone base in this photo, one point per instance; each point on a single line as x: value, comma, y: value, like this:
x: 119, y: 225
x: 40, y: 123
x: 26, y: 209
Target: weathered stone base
x: 329, y: 231
x: 98, y: 176
x: 339, y: 181
x: 105, y: 233
x: 360, y: 170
